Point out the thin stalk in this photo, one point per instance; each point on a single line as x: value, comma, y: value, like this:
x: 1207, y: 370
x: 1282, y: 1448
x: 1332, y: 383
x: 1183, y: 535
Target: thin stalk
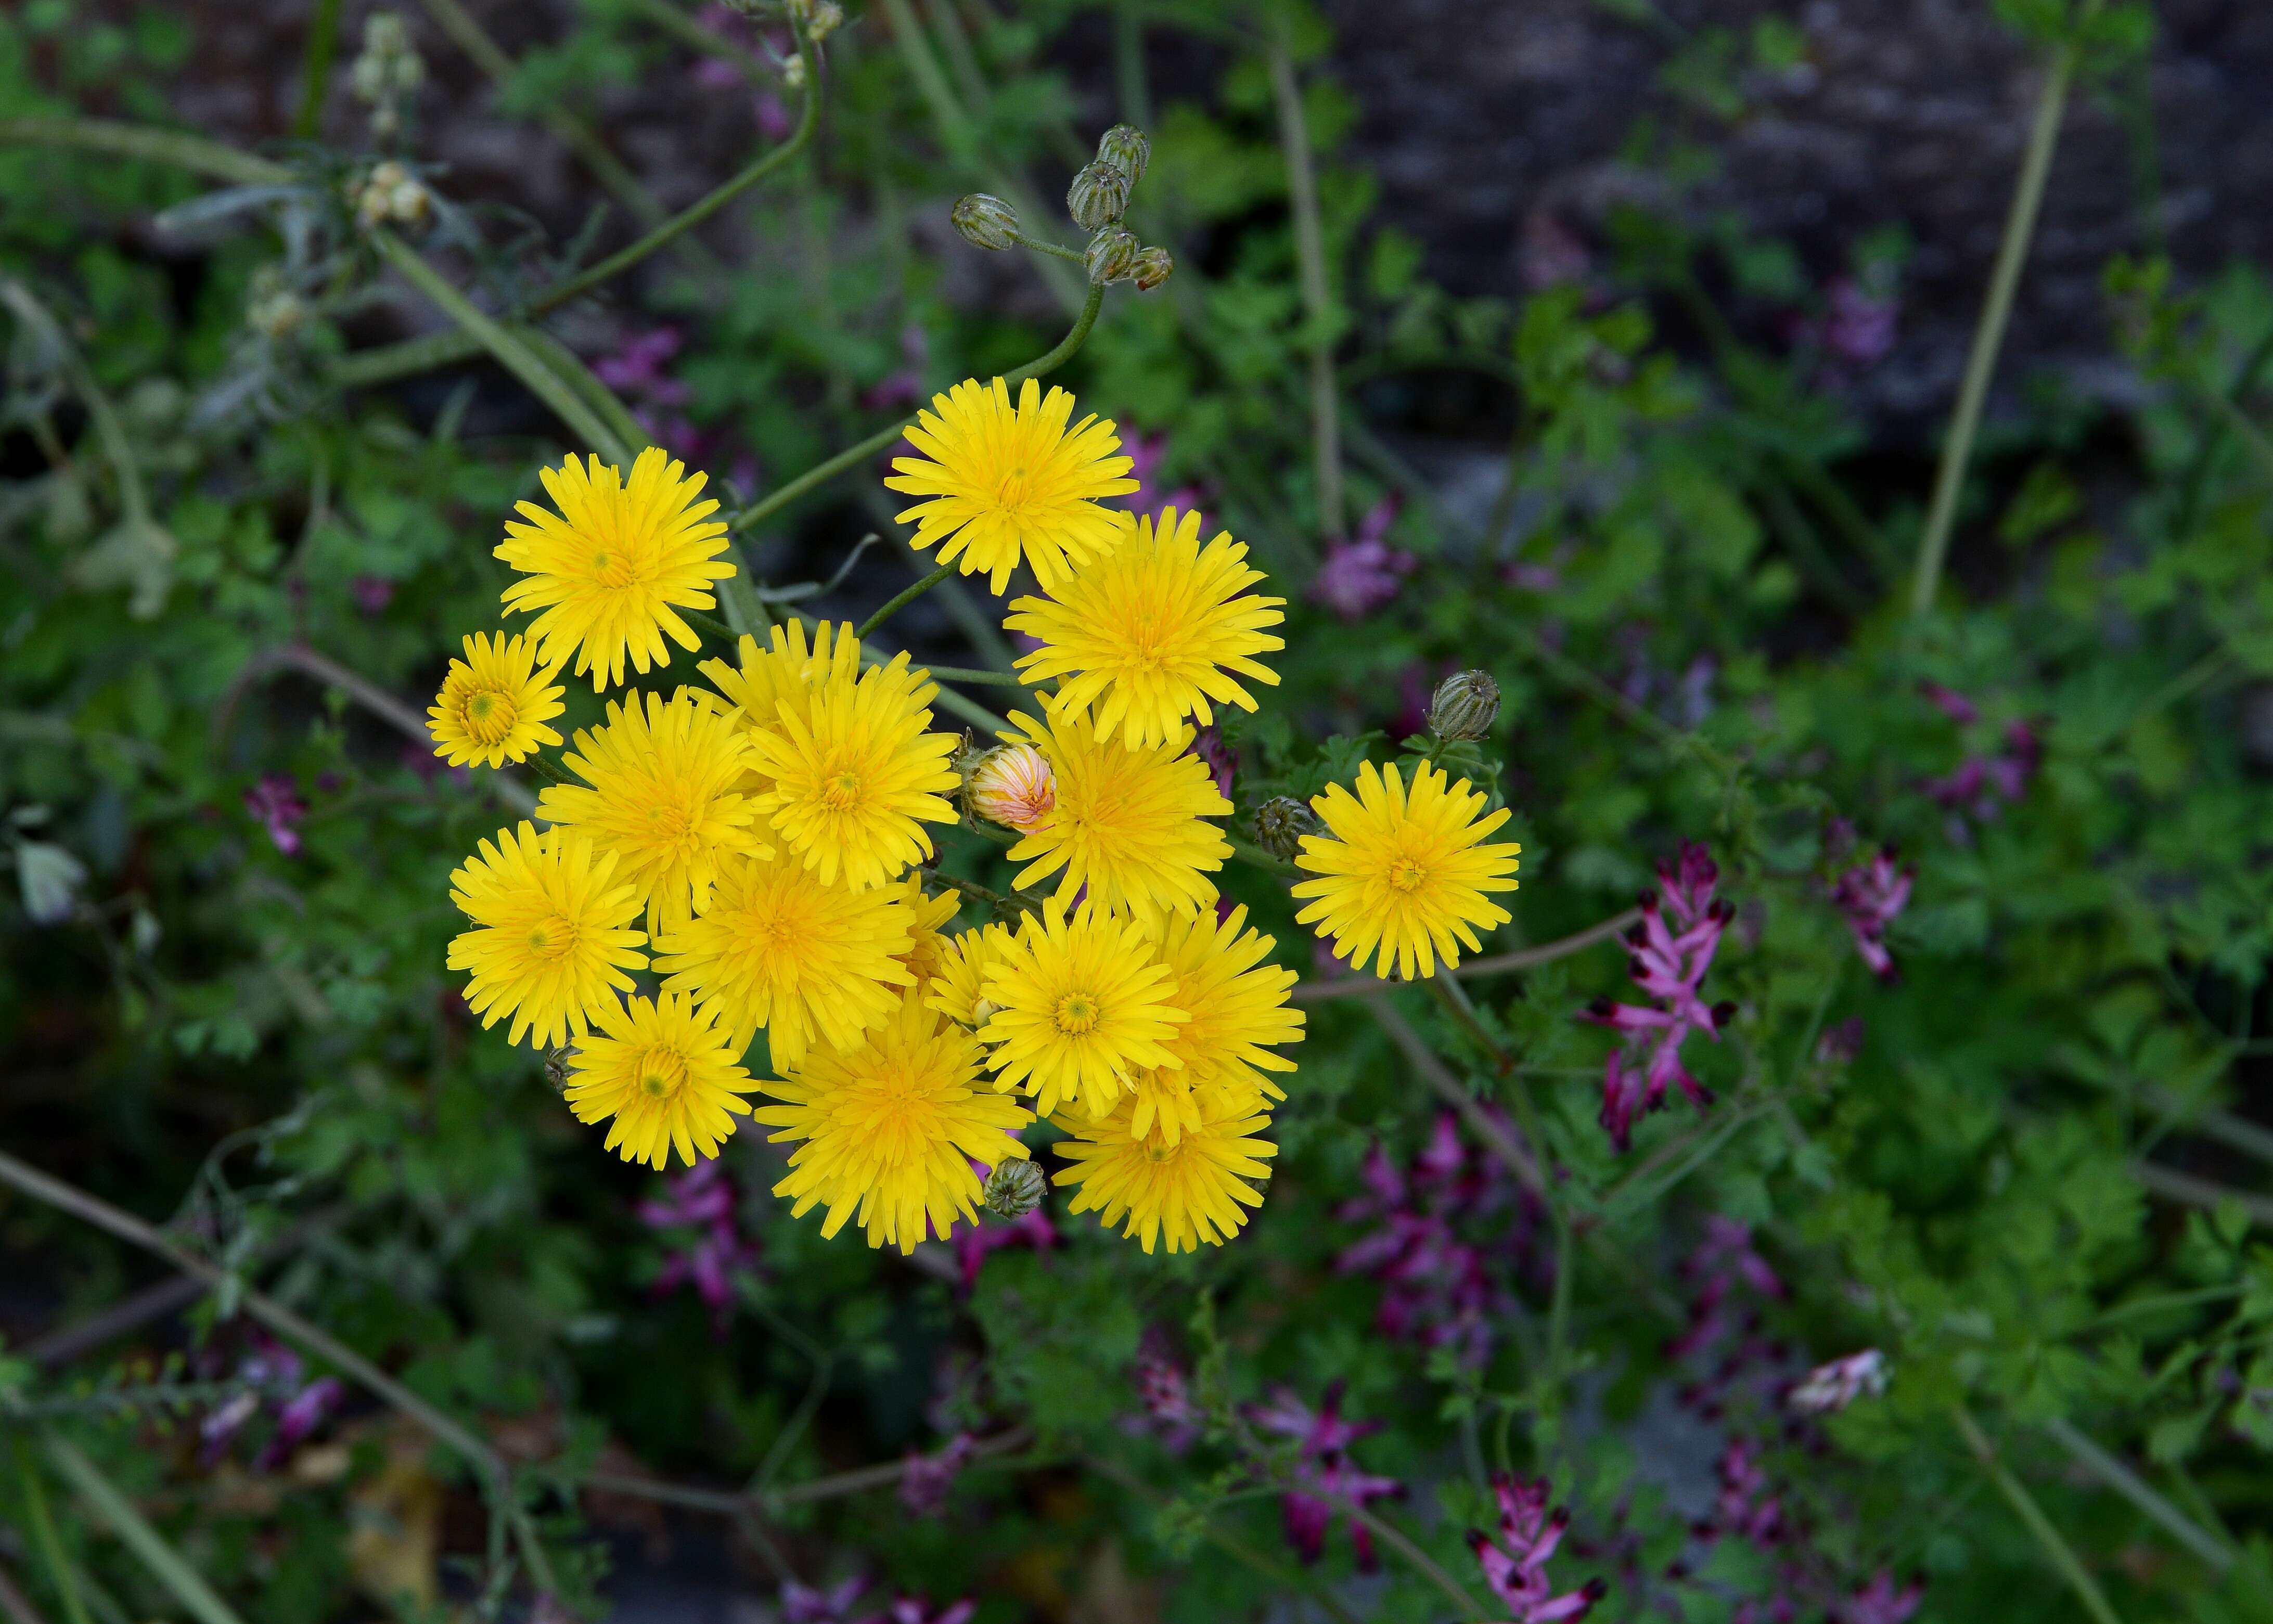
x: 1278, y: 1573
x: 2135, y: 1489
x: 167, y: 1565
x: 2056, y: 1549
x: 316, y: 68
x: 210, y: 159
x: 1426, y: 1566
x: 1997, y: 310
x: 1497, y: 964
x: 1317, y: 297
x: 1131, y: 81
x: 1255, y: 856
x: 116, y: 448
x: 1433, y: 1071
x: 964, y: 673
x: 60, y: 1577
x: 2245, y: 428
x: 907, y: 596
x: 2178, y: 1186
x: 630, y: 432
x: 17, y: 1608
x: 2222, y: 1126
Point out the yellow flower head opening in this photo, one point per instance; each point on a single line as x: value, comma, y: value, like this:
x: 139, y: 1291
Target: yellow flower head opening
x: 550, y: 941
x: 856, y: 779
x: 664, y: 1070
x: 1129, y: 823
x: 494, y: 703
x: 1237, y: 1003
x: 1004, y: 482
x: 774, y: 946
x: 790, y: 672
x: 957, y: 989
x: 1404, y: 874
x: 1154, y: 630
x: 1014, y: 787
x: 1080, y: 1007
x: 1190, y: 1189
x: 663, y: 798
x: 928, y: 917
x: 610, y: 570
x: 888, y: 1132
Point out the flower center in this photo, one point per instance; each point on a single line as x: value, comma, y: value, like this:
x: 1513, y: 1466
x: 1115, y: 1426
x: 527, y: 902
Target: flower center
x: 1077, y: 1012
x: 1155, y: 1152
x: 1011, y: 492
x: 617, y: 566
x: 841, y: 792
x: 668, y: 825
x: 1406, y: 875
x: 662, y: 1073
x: 551, y: 937
x: 489, y: 715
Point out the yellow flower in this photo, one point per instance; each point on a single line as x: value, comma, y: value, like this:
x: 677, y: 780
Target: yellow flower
x: 1014, y: 787
x: 788, y: 671
x: 664, y: 1072
x: 664, y: 797
x: 1190, y: 1190
x: 494, y: 703
x: 1003, y: 480
x: 855, y: 779
x: 1404, y: 872
x: 549, y: 944
x: 928, y: 917
x: 1237, y: 1002
x: 610, y: 569
x: 1128, y: 823
x: 956, y: 989
x: 1080, y: 1007
x: 889, y: 1130
x: 774, y: 946
x: 1152, y: 632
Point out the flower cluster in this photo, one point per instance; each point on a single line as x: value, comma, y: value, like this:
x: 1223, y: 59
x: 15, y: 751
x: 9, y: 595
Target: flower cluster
x: 1670, y: 969
x: 1323, y: 1480
x: 1514, y: 1562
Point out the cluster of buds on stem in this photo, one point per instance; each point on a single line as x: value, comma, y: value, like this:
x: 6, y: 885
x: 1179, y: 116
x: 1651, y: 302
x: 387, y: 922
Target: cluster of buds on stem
x: 390, y: 195
x: 1097, y: 200
x: 387, y: 74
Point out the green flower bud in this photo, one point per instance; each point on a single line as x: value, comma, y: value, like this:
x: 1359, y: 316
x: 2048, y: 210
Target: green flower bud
x: 985, y: 222
x: 1112, y: 256
x: 1014, y: 1189
x: 1098, y: 196
x: 557, y: 1067
x: 1126, y: 149
x: 1465, y: 705
x: 1280, y: 823
x: 1153, y: 266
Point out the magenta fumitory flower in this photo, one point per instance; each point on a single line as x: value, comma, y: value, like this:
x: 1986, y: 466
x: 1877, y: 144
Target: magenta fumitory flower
x: 1166, y: 1393
x: 1878, y: 1602
x: 1670, y: 969
x: 1829, y: 1389
x: 1872, y: 896
x: 925, y: 1478
x: 1515, y: 1563
x: 1324, y: 1480
x: 1859, y: 327
x: 275, y: 803
x: 1364, y: 572
x: 1146, y: 454
x: 804, y: 1604
x: 702, y: 1200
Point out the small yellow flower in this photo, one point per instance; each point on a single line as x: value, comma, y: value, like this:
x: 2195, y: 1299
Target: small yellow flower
x: 790, y: 671
x: 958, y: 988
x: 664, y: 1072
x: 928, y: 917
x: 1005, y: 481
x: 774, y: 946
x: 610, y: 569
x: 889, y: 1130
x: 1152, y: 632
x: 855, y: 779
x: 1188, y: 1191
x: 1405, y: 874
x: 1081, y: 1008
x: 494, y: 703
x: 1014, y: 787
x: 1128, y: 823
x: 664, y: 797
x: 551, y: 941
x: 1236, y: 1002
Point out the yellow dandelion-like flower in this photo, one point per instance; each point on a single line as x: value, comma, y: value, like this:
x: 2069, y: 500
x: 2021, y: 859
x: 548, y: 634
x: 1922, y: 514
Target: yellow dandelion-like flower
x: 664, y: 1070
x: 958, y: 988
x: 1154, y: 630
x: 1404, y: 872
x: 1165, y: 1104
x: 1128, y: 823
x: 1236, y: 1002
x: 889, y: 1130
x: 494, y: 703
x: 1080, y: 1007
x: 791, y: 671
x: 551, y: 937
x: 928, y: 917
x: 773, y: 945
x: 663, y: 798
x: 1188, y: 1190
x: 1005, y: 480
x: 612, y: 567
x: 855, y: 779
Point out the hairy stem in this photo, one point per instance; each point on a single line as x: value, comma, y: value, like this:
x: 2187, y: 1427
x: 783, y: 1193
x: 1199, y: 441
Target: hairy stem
x: 907, y: 596
x: 1497, y: 964
x: 1318, y: 296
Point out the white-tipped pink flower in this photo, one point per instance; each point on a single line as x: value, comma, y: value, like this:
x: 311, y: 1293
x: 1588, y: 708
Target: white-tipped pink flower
x: 1014, y: 787
x: 1828, y: 1388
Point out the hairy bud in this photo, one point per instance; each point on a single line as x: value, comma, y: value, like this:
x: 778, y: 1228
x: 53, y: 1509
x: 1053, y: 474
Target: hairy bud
x: 556, y: 1067
x: 1014, y: 787
x: 985, y: 222
x: 1112, y: 256
x: 1098, y: 196
x: 1014, y: 1189
x: 1153, y: 266
x: 1280, y: 823
x: 390, y: 194
x: 1126, y: 149
x: 1465, y: 705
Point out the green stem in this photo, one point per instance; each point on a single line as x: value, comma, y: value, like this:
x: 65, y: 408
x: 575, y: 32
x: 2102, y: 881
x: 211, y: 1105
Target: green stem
x: 853, y: 456
x: 570, y: 369
x: 316, y: 68
x: 1231, y: 1545
x: 2056, y: 1549
x: 1398, y: 1540
x: 194, y: 153
x: 972, y: 674
x: 43, y: 1531
x: 903, y: 599
x: 165, y: 1565
x: 1317, y: 297
x: 1254, y: 856
x: 1989, y: 337
x: 2135, y: 1489
x: 1497, y: 964
x: 115, y: 446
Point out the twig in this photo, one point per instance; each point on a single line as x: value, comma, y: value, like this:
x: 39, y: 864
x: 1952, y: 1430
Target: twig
x: 730, y: 1502
x: 2135, y: 1489
x: 1398, y: 1541
x: 1434, y: 1072
x: 1497, y: 964
x: 2056, y: 1549
x: 1318, y: 296
x: 2178, y: 1186
x: 165, y: 1565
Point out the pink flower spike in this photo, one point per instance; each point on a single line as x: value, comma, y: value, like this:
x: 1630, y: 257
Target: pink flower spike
x: 1870, y: 896
x: 1878, y: 1602
x: 1670, y: 967
x: 1515, y: 1564
x: 275, y: 803
x: 926, y: 1479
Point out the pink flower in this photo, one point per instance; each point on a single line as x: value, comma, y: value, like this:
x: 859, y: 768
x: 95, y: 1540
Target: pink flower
x: 275, y: 803
x: 1515, y: 1564
x: 371, y: 594
x: 1724, y: 1258
x: 1363, y: 573
x: 1670, y: 969
x: 1859, y: 327
x: 925, y: 1478
x: 1982, y: 783
x: 1880, y: 1603
x: 703, y: 1200
x: 1324, y: 1480
x: 1744, y: 1507
x: 1166, y: 1393
x: 1872, y: 895
x: 1829, y: 1389
x: 802, y: 1604
x: 905, y: 387
x: 1146, y: 453
x: 1208, y: 745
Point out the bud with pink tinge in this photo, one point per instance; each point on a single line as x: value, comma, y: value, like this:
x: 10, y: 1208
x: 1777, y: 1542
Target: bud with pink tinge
x: 1014, y: 787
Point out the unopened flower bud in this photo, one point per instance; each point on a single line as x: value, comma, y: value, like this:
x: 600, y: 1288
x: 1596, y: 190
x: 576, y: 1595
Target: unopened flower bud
x: 985, y: 222
x: 557, y: 1062
x: 1465, y: 705
x: 1112, y: 256
x: 1098, y: 196
x: 1014, y: 1189
x: 1153, y: 266
x: 1014, y: 787
x: 1126, y: 149
x: 1280, y: 823
x: 828, y: 17
x: 794, y: 71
